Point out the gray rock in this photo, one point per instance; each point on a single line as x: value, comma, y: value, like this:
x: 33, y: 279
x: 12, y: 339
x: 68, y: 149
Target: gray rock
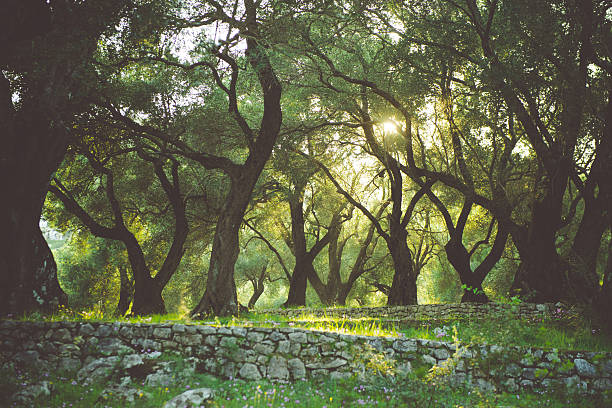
x: 179, y: 328
x: 211, y: 341
x: 484, y: 385
x: 572, y: 381
x: 429, y: 360
x: 276, y: 336
x: 250, y: 372
x: 30, y: 358
x: 123, y: 393
x: 296, y: 368
x: 277, y: 368
x: 255, y: 337
x: 162, y: 333
x: 191, y: 398
x: 28, y: 394
x: 496, y: 349
x: 69, y: 364
x: 98, y: 370
x: 608, y: 366
x: 69, y: 350
x: 126, y: 331
x: 104, y: 330
x: 513, y: 370
x: 298, y: 337
x: 294, y: 348
x: 159, y: 379
x: 405, y: 346
x: 207, y: 330
x: 441, y: 354
x: 228, y: 342
x: 283, y: 346
x: 404, y: 369
x: 263, y: 348
x: 229, y: 369
x: 511, y: 385
x: 62, y: 335
x: 340, y: 375
x: 457, y: 379
x: 529, y: 373
x: 152, y: 355
x: 320, y: 373
x: 335, y: 363
x: 112, y: 346
x: 132, y: 360
x: 584, y: 368
x: 188, y: 339
x: 602, y: 384
x: 239, y: 331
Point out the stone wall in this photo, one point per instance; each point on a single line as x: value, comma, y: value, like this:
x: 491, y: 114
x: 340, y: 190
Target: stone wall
x: 290, y: 354
x: 432, y: 311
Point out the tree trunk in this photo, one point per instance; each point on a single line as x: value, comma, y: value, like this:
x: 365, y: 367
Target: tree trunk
x: 126, y: 292
x: 403, y: 289
x: 603, y: 302
x: 334, y: 261
x: 220, y: 297
x: 258, y: 287
x: 542, y: 273
x: 147, y: 292
x: 596, y: 218
x: 459, y: 258
x: 582, y: 259
x: 28, y: 273
x: 298, y: 283
x: 257, y: 292
x: 147, y: 298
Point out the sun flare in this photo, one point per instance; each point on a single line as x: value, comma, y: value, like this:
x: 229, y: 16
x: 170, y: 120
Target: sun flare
x: 389, y: 126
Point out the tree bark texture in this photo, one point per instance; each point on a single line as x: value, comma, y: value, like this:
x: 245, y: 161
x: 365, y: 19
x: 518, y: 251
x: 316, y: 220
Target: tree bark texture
x: 403, y: 289
x: 28, y: 274
x: 126, y: 292
x: 303, y: 260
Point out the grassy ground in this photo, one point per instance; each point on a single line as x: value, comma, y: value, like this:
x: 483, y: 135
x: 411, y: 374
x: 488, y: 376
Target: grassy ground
x: 412, y: 391
x: 564, y: 331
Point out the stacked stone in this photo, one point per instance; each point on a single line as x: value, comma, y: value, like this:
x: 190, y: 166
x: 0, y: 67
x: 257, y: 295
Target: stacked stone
x: 526, y: 311
x: 291, y: 354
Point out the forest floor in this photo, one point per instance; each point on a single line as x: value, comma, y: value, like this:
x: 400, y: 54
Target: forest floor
x: 567, y: 331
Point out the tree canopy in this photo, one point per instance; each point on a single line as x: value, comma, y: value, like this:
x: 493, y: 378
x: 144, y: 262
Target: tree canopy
x: 217, y: 154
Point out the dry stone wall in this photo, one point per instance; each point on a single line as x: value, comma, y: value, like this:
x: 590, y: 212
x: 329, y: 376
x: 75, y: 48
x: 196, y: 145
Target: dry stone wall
x: 96, y: 350
x: 527, y: 311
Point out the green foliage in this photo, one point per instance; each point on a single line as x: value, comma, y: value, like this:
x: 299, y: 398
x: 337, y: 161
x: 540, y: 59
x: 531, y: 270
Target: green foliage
x: 420, y: 66
x: 87, y: 271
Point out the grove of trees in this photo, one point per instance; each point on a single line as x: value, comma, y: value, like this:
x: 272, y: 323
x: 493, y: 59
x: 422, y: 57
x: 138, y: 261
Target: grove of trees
x: 209, y: 155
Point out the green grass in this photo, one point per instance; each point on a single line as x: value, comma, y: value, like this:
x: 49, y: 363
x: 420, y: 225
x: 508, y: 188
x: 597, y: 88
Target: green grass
x: 376, y: 391
x: 567, y: 331
x: 513, y: 332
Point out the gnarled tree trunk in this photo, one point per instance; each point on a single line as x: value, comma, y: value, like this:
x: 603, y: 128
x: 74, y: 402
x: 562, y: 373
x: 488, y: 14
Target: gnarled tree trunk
x: 28, y: 273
